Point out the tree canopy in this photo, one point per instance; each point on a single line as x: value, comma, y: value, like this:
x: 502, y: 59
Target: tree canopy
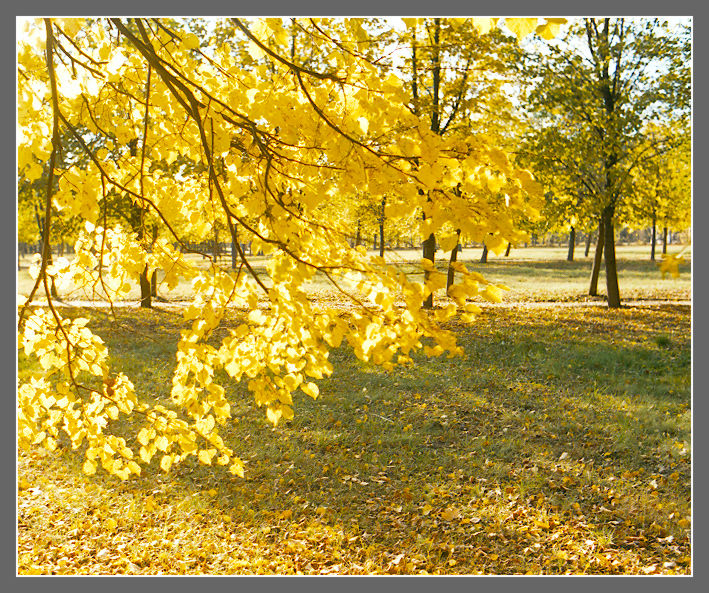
x: 599, y: 95
x: 263, y: 129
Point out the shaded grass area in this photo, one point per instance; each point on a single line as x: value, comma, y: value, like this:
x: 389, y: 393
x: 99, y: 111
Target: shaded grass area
x: 558, y: 444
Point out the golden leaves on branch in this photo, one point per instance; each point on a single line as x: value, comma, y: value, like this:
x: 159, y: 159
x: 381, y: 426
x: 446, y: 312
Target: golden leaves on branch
x: 276, y: 153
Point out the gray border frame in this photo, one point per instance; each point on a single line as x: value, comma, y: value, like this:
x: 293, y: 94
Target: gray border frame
x: 360, y: 8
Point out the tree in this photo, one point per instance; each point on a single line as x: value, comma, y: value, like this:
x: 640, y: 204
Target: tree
x: 662, y: 187
x: 607, y: 79
x: 457, y: 76
x: 268, y: 146
x: 558, y: 156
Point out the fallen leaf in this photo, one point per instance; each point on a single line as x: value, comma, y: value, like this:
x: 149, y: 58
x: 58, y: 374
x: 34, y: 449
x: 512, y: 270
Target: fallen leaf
x: 450, y: 514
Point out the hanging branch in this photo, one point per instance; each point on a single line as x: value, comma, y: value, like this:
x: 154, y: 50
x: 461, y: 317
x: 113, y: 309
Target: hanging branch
x: 56, y: 146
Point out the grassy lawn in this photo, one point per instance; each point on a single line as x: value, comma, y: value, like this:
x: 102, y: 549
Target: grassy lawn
x: 532, y: 274
x: 558, y: 444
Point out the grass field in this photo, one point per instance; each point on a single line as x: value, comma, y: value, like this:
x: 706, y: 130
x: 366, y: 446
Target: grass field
x: 532, y: 274
x: 560, y: 443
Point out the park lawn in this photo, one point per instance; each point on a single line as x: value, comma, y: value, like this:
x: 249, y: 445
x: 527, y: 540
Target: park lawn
x: 560, y: 443
x: 531, y: 274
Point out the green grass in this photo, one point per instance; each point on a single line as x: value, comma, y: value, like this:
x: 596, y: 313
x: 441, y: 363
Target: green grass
x: 558, y: 444
x: 532, y: 274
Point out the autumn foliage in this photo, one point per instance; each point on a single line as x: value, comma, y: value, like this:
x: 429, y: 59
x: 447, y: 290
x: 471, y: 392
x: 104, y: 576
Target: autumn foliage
x: 264, y: 130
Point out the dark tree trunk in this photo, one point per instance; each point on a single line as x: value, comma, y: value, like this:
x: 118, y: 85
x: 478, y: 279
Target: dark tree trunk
x: 588, y: 243
x: 154, y: 284
x: 145, y: 290
x: 664, y: 241
x: 572, y: 243
x: 429, y: 253
x: 233, y: 255
x: 483, y: 257
x: 453, y: 258
x: 507, y: 251
x: 609, y: 255
x: 653, y: 239
x: 381, y: 227
x: 597, y: 259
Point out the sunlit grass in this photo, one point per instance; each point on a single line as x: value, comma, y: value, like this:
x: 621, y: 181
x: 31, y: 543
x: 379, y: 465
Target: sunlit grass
x: 532, y: 274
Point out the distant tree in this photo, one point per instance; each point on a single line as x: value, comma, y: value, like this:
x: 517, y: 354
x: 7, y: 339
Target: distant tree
x: 606, y: 80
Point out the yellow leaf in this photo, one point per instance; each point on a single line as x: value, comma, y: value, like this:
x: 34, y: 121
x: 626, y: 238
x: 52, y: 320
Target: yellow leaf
x: 273, y: 415
x: 110, y: 524
x: 492, y: 293
x: 205, y: 456
x: 521, y: 27
x: 363, y: 124
x: 255, y: 51
x: 191, y: 41
x: 166, y: 462
x: 311, y: 389
x: 450, y: 514
x: 483, y: 24
x: 89, y: 467
x: 670, y: 264
x: 237, y: 468
x: 448, y: 241
x: 143, y: 436
x: 149, y: 504
x: 543, y: 524
x: 548, y: 30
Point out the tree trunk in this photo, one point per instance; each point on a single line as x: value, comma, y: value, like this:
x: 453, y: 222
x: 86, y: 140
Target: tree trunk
x: 572, y: 243
x: 233, y: 255
x: 145, y: 292
x: 154, y: 284
x: 429, y: 253
x: 375, y: 242
x: 40, y: 224
x: 507, y: 251
x: 597, y: 259
x: 50, y: 261
x: 588, y: 243
x: 609, y: 255
x: 654, y: 236
x: 454, y: 257
x: 664, y: 241
x: 381, y: 227
x: 483, y: 257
